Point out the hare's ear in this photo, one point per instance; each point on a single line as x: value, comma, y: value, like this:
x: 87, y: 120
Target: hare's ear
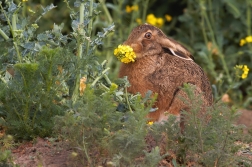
x: 178, y: 54
x: 174, y: 48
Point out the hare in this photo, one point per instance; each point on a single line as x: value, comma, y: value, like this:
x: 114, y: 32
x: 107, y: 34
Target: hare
x: 162, y: 65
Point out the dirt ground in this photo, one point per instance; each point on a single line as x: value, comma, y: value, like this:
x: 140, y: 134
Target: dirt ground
x: 45, y: 153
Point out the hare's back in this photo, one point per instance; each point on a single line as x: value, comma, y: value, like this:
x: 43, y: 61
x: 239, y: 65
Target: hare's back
x: 173, y: 72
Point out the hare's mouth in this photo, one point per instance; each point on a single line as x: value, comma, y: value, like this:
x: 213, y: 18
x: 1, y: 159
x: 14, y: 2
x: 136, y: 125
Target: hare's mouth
x: 137, y: 48
x: 125, y: 53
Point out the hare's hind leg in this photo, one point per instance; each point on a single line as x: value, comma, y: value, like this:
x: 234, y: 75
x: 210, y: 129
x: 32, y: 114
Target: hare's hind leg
x: 179, y: 103
x: 175, y: 108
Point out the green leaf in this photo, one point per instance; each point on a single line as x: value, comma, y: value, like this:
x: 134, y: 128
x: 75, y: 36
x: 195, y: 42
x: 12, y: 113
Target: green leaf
x: 77, y: 4
x: 42, y: 37
x: 12, y: 7
x: 29, y: 45
x: 48, y: 8
x: 232, y: 7
x: 174, y: 162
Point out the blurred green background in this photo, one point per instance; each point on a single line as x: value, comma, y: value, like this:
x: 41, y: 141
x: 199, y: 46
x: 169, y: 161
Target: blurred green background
x: 218, y: 33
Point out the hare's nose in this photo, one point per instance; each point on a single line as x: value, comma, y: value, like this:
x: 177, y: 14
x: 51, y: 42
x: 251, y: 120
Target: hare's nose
x: 126, y: 43
x: 137, y: 47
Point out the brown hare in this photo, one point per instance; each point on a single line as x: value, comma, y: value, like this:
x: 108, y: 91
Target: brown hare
x: 162, y: 65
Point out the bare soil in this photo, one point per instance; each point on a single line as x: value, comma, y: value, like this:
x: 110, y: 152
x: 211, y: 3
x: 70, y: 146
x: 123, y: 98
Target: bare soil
x: 43, y: 153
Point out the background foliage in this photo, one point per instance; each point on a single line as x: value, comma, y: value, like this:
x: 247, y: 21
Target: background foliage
x: 211, y: 30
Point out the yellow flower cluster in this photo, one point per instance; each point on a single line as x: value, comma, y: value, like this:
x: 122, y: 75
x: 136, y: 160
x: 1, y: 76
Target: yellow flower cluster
x: 82, y: 85
x: 248, y: 39
x: 245, y: 70
x: 129, y: 9
x: 35, y: 26
x: 139, y: 21
x: 168, y: 17
x: 150, y: 123
x: 113, y: 87
x: 155, y: 21
x: 125, y: 54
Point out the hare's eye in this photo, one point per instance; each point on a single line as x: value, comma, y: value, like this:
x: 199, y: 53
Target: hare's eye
x: 148, y: 35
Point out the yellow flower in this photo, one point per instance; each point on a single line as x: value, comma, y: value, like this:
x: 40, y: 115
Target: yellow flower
x: 159, y: 22
x: 113, y: 86
x: 125, y: 54
x: 242, y: 42
x: 245, y: 71
x: 151, y: 19
x: 134, y: 7
x: 82, y: 85
x: 150, y: 123
x: 24, y: 0
x: 239, y: 66
x: 129, y: 9
x: 74, y: 154
x: 139, y: 21
x: 168, y: 17
x: 248, y: 39
x: 35, y: 26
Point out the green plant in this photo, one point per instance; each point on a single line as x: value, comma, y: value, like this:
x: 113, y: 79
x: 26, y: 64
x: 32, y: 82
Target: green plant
x: 32, y: 97
x: 5, y: 156
x: 38, y: 73
x: 112, y: 130
x: 209, y: 138
x: 6, y: 143
x: 213, y: 36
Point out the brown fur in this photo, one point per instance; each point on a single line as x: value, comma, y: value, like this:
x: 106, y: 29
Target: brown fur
x: 163, y: 66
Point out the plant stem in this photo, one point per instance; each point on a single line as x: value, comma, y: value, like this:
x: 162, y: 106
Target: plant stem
x: 104, y: 75
x: 104, y: 7
x: 248, y: 18
x: 205, y: 16
x: 4, y: 35
x: 18, y: 54
x: 248, y: 12
x: 204, y: 32
x: 107, y: 79
x: 218, y: 48
x: 145, y: 7
x: 211, y: 12
x: 222, y: 149
x: 84, y: 146
x: 90, y: 25
x: 24, y: 9
x: 127, y: 99
x: 99, y: 77
x: 105, y: 87
x: 110, y: 21
x: 199, y: 130
x: 13, y: 27
x: 81, y: 30
x: 26, y: 105
x: 79, y: 54
x: 7, y: 19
